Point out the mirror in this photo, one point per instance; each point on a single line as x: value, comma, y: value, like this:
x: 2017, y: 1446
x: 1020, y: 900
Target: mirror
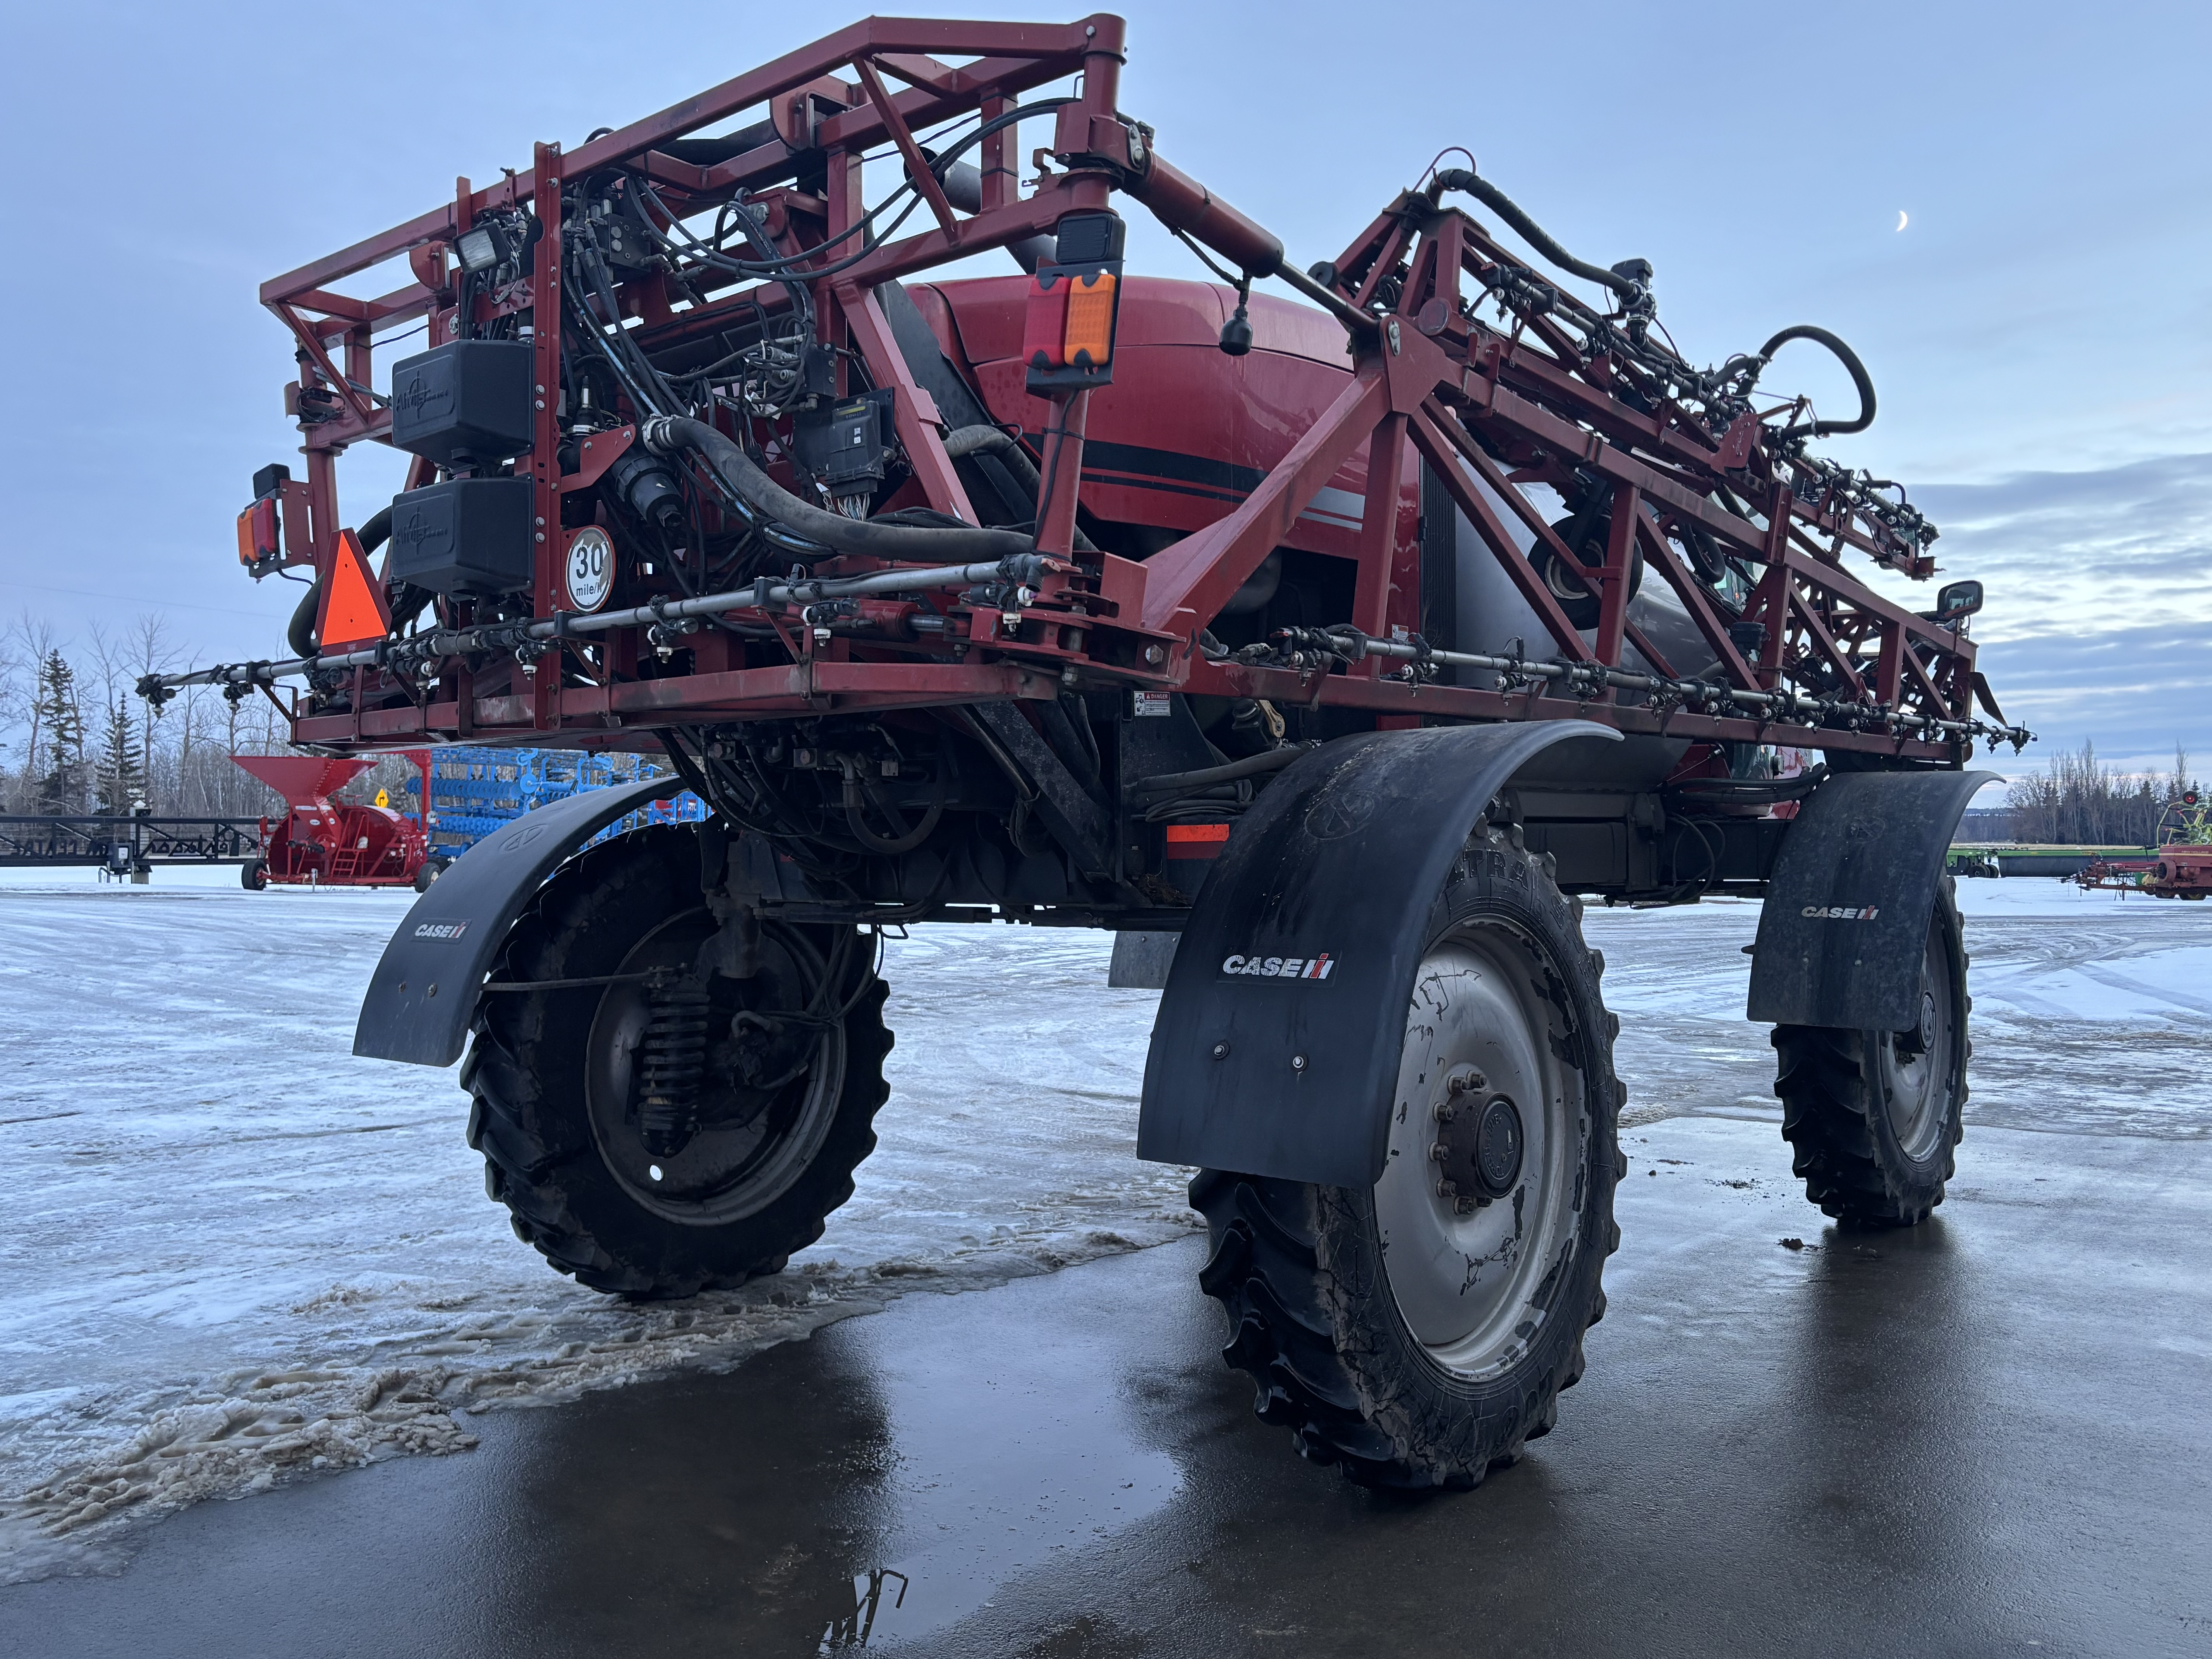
x: 1957, y: 600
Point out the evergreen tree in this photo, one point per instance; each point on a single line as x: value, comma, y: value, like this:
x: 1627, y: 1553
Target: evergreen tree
x: 120, y: 782
x: 60, y: 785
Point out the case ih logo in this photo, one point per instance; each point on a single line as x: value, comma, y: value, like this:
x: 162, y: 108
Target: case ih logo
x: 440, y: 929
x: 1279, y: 967
x: 1837, y: 913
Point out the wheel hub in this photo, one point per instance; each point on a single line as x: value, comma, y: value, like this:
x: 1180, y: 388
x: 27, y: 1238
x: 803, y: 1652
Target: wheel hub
x: 1478, y: 1142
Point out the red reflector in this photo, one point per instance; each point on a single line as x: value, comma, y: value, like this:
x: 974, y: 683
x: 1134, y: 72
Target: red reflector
x: 1044, y: 328
x: 1196, y: 841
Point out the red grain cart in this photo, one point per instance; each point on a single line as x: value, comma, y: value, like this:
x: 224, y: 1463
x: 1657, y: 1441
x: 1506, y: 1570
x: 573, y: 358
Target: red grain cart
x: 1333, y: 649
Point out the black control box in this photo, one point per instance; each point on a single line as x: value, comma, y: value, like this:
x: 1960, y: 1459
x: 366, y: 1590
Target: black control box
x: 848, y: 444
x: 468, y: 400
x: 466, y: 536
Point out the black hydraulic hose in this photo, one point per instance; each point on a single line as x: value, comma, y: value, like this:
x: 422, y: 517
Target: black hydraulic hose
x: 1251, y: 767
x: 993, y: 440
x: 1852, y: 366
x: 856, y: 787
x: 299, y: 632
x: 734, y: 471
x: 1470, y: 183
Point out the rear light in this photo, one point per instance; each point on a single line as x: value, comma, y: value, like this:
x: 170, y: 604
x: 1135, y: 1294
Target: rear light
x: 1067, y: 335
x: 257, y: 537
x: 1088, y: 340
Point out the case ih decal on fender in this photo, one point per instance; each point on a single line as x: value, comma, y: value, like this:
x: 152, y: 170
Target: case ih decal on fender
x: 1279, y: 967
x: 448, y: 930
x: 1838, y: 912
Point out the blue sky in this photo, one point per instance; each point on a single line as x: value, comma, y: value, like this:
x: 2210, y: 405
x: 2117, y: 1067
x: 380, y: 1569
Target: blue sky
x: 2040, y: 332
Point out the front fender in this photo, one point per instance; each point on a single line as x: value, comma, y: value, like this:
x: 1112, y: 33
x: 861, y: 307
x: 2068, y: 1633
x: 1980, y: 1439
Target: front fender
x: 424, y: 991
x: 1334, y: 871
x: 1842, y: 932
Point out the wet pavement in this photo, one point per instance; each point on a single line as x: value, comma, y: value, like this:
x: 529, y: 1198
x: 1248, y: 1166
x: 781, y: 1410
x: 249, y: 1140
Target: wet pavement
x: 1987, y: 1436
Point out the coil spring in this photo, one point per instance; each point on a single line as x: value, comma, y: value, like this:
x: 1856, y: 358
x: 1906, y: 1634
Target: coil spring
x: 670, y: 1060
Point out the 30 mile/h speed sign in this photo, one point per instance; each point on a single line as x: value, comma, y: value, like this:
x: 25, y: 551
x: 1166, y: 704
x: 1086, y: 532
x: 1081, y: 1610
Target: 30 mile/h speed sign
x: 589, y: 572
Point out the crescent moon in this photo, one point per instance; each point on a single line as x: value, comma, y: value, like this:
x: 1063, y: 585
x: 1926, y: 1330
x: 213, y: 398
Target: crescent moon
x: 1900, y: 218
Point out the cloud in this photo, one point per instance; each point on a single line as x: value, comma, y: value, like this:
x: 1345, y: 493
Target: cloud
x: 2067, y: 555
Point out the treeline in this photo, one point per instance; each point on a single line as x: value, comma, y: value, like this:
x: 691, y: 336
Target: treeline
x: 75, y: 736
x: 2077, y: 801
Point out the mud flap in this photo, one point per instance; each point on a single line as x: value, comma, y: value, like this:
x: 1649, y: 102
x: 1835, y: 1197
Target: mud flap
x: 424, y: 991
x: 1842, y: 932
x: 1279, y: 1037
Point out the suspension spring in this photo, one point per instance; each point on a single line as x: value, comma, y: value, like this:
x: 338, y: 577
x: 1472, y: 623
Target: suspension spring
x: 670, y: 1060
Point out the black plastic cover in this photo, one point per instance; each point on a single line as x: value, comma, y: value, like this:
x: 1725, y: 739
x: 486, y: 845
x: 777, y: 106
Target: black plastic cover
x: 424, y: 991
x: 1843, y: 931
x: 1330, y: 878
x: 467, y: 399
x: 465, y: 535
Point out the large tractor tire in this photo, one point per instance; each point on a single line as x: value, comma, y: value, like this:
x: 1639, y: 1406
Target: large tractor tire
x: 1873, y: 1116
x: 1417, y: 1333
x: 657, y: 1130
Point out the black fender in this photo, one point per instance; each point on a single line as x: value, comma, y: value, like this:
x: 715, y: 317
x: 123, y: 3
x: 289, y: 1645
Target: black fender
x: 1326, y: 885
x: 424, y: 991
x: 1842, y: 932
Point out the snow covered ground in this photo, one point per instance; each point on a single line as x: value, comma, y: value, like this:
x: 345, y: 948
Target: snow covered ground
x: 233, y: 1250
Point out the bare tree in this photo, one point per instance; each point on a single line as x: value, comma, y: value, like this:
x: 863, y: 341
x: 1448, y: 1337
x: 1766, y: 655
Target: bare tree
x: 2076, y: 800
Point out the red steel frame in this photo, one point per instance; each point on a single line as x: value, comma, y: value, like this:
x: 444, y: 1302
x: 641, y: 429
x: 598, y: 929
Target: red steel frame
x: 1428, y: 379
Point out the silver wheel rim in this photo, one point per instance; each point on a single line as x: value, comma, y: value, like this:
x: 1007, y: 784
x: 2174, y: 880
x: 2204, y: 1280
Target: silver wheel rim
x: 724, y: 1174
x: 1916, y: 1065
x: 1467, y: 1281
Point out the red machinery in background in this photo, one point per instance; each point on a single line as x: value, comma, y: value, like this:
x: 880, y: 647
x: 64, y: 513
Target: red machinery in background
x: 326, y: 843
x: 2181, y: 868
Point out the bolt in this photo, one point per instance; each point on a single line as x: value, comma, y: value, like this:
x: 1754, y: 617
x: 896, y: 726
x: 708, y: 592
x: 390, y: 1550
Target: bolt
x: 1155, y: 655
x: 1221, y: 1051
x: 1298, y: 1062
x: 540, y: 535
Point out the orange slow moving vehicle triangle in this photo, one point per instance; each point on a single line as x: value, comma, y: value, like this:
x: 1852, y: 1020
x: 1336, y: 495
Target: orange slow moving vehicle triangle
x: 354, y: 612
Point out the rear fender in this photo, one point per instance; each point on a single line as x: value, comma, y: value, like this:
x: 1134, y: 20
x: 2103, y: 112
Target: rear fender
x: 424, y: 991
x: 1303, y: 947
x: 1844, y: 927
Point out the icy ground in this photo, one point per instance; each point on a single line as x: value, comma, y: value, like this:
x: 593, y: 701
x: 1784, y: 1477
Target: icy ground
x: 233, y: 1250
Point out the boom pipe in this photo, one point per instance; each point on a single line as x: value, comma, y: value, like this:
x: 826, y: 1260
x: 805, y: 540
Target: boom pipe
x: 1352, y: 645
x: 1020, y: 570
